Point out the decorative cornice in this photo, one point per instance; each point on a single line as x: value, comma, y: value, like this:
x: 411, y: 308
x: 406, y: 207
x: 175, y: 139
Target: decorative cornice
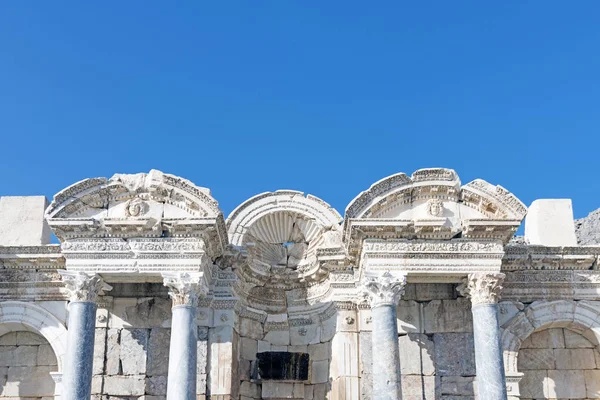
x: 82, y: 286
x: 482, y: 288
x: 385, y: 289
x: 185, y: 288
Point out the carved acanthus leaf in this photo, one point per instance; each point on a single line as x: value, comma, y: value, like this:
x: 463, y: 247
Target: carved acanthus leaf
x: 482, y: 288
x: 385, y: 289
x: 82, y: 286
x: 185, y: 288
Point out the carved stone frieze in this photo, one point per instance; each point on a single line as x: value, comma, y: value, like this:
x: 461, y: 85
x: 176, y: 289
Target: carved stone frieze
x: 185, y: 288
x: 385, y: 289
x: 81, y: 286
x: 482, y: 288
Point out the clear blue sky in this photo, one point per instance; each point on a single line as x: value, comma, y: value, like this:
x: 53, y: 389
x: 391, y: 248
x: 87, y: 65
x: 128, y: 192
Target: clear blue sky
x: 322, y: 97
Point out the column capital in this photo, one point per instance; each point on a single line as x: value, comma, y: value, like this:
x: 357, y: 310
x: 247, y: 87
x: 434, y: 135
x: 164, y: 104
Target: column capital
x: 385, y: 289
x: 482, y: 287
x: 185, y: 288
x: 82, y: 286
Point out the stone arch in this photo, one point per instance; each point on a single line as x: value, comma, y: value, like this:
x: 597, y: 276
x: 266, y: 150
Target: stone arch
x: 288, y: 236
x: 22, y: 316
x: 259, y: 206
x: 580, y: 316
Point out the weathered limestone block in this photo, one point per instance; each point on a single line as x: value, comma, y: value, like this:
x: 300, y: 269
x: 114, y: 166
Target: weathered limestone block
x: 25, y: 356
x: 46, y: 355
x: 305, y: 334
x: 158, y: 352
x: 28, y: 382
x: 534, y: 384
x: 319, y: 371
x: 454, y: 354
x: 251, y: 328
x: 156, y: 385
x: 344, y: 355
x: 202, y: 359
x: 574, y: 340
x: 574, y: 359
x: 319, y: 352
x: 29, y: 339
x: 99, y: 350
x: 328, y: 329
x: 409, y: 317
x: 417, y: 353
x: 248, y: 348
x: 278, y: 338
x: 97, y: 381
x: 134, y: 343
x: 113, y: 351
x: 507, y: 310
x: 365, y: 366
x: 536, y: 359
x: 442, y: 316
x: 9, y: 339
x: 125, y: 385
x: 346, y: 321
x: 435, y: 291
x: 56, y: 308
x: 549, y: 222
x: 222, y: 350
x: 592, y: 383
x: 309, y: 392
x: 417, y: 387
x: 457, y: 385
x: 22, y: 221
x: 547, y: 339
x: 566, y: 384
x: 282, y: 390
x: 149, y: 312
x: 345, y: 388
x: 251, y: 390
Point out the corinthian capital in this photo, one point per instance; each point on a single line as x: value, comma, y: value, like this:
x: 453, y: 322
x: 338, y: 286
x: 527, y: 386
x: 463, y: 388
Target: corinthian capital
x: 482, y: 288
x: 82, y: 286
x: 185, y: 288
x: 384, y: 289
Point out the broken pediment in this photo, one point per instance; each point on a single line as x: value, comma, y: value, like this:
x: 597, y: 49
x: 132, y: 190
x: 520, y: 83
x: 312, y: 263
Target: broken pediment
x: 432, y: 204
x: 151, y: 204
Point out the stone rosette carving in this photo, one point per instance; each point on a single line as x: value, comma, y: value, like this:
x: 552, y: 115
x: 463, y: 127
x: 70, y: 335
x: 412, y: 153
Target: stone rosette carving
x: 482, y: 288
x: 385, y: 289
x: 185, y: 289
x: 82, y: 286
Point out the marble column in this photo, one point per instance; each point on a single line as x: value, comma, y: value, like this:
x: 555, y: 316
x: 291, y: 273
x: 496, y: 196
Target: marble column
x: 484, y: 290
x: 83, y: 290
x: 383, y: 293
x: 184, y: 289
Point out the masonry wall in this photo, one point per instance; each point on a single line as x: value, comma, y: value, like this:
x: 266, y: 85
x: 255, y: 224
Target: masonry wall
x: 435, y: 336
x: 559, y: 363
x: 26, y: 360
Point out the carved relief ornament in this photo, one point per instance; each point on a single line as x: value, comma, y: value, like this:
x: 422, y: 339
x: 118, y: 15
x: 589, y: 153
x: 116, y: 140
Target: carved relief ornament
x: 185, y: 289
x: 482, y: 288
x: 82, y: 286
x: 385, y: 289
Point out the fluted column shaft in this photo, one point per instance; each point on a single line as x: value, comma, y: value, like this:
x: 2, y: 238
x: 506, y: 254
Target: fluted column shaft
x: 184, y: 290
x: 83, y: 290
x: 383, y: 293
x: 484, y: 290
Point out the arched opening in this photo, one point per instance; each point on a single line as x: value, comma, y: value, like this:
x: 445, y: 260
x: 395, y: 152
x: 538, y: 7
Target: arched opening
x: 559, y: 363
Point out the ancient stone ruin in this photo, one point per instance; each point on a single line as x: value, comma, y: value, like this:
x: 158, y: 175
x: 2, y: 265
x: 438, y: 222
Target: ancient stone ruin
x: 421, y: 291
